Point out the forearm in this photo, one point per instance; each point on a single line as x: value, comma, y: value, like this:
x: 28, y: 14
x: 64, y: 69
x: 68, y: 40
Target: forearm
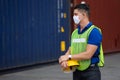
x: 90, y: 50
x: 82, y: 56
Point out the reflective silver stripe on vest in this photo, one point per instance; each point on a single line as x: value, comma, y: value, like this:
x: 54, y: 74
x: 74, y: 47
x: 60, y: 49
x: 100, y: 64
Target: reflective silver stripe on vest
x: 80, y: 40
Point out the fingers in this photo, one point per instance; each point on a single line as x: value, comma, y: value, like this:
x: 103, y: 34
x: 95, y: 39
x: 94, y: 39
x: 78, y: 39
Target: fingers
x: 63, y: 58
x: 63, y: 61
x: 60, y: 61
x: 64, y: 64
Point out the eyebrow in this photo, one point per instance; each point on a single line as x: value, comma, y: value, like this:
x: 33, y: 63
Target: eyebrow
x: 75, y: 13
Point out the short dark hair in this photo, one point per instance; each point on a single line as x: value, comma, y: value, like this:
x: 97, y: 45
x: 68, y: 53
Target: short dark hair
x: 83, y: 7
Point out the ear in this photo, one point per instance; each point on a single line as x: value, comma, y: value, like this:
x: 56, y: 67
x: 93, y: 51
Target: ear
x: 84, y: 14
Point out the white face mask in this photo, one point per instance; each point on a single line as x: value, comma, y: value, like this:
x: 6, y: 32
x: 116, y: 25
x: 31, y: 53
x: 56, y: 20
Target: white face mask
x: 76, y: 19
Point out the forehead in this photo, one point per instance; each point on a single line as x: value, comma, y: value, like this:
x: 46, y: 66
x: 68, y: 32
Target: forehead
x: 76, y: 11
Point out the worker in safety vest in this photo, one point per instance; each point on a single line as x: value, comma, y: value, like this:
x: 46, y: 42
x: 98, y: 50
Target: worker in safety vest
x: 85, y: 47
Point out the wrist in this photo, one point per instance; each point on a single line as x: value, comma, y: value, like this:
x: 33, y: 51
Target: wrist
x: 67, y: 53
x: 70, y: 57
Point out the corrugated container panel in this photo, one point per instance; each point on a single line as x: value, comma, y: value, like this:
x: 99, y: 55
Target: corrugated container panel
x: 32, y: 30
x: 105, y: 14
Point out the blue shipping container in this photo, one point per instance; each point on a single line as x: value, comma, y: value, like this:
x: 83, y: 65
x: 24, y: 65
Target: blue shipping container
x: 33, y: 31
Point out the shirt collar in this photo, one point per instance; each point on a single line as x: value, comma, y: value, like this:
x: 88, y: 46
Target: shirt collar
x: 86, y: 27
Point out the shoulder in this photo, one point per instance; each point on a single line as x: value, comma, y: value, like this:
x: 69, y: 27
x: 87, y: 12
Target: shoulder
x: 96, y: 30
x: 75, y: 31
x: 95, y: 36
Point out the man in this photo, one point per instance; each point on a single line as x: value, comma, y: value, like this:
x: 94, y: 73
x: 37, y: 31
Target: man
x: 85, y: 46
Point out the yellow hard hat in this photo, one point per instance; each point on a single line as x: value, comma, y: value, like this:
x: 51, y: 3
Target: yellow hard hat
x: 72, y: 65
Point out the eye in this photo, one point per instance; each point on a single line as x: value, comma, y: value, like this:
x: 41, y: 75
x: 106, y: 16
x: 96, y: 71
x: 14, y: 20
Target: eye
x: 75, y: 14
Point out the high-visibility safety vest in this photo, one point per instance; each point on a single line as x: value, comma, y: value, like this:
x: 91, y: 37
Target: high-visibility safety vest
x: 79, y: 44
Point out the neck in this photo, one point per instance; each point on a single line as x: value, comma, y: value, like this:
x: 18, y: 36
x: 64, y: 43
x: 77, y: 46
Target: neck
x: 84, y: 23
